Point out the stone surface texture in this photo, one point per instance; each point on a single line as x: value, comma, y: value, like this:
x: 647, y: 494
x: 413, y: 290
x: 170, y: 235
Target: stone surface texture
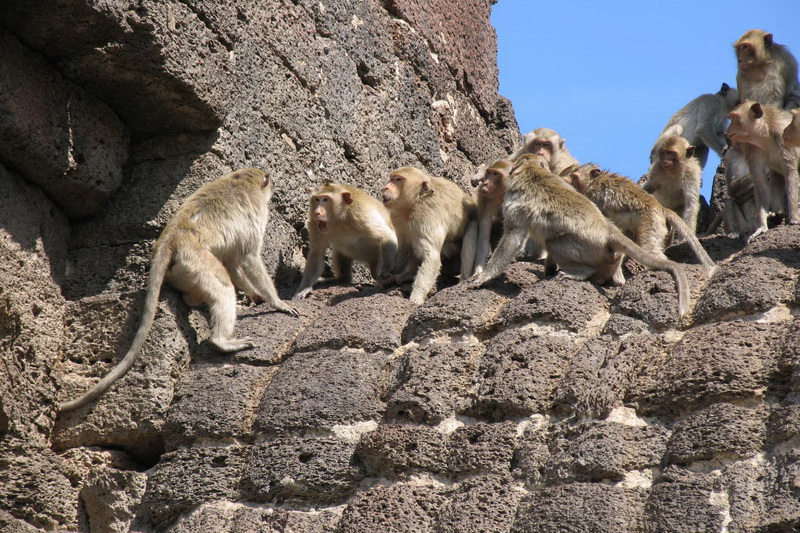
x: 531, y: 404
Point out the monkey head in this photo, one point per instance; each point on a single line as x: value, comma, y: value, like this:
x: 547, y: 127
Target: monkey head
x: 753, y: 49
x: 671, y: 151
x: 747, y: 125
x: 581, y: 176
x: 546, y: 143
x: 493, y: 184
x: 791, y: 134
x: 405, y: 186
x: 532, y: 160
x: 327, y: 205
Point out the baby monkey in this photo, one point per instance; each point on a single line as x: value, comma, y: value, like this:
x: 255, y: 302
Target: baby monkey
x: 210, y: 246
x: 636, y: 212
x: 356, y: 226
x: 579, y: 240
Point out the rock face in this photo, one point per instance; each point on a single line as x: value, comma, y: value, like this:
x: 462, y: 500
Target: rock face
x: 532, y: 404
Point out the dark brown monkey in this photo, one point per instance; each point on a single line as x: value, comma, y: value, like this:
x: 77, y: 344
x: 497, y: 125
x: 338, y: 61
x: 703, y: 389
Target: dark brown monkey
x: 210, y: 246
x: 579, y: 240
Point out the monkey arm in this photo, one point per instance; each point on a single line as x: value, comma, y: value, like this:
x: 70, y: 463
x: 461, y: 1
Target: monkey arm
x: 484, y: 242
x: 387, y: 260
x: 315, y: 264
x: 257, y: 274
x: 427, y: 272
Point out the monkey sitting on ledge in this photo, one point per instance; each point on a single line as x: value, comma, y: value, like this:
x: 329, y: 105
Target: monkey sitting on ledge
x: 210, y: 246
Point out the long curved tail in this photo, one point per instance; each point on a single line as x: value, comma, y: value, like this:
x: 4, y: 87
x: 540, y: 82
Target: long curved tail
x: 158, y: 269
x: 620, y: 242
x: 686, y: 233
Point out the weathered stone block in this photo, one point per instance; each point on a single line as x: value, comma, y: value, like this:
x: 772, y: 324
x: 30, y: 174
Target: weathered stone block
x: 308, y: 470
x: 434, y: 381
x: 321, y: 389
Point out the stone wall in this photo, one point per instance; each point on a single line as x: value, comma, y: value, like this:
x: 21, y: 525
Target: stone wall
x: 533, y: 404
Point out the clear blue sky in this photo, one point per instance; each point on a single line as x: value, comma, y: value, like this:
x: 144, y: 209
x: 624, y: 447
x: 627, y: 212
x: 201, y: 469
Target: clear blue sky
x: 607, y: 76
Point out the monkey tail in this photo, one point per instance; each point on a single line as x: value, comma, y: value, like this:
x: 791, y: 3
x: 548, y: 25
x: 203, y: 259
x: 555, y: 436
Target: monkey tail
x: 620, y: 242
x: 686, y: 232
x: 158, y: 270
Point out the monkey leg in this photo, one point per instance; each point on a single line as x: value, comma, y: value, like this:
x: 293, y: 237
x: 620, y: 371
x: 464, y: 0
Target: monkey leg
x: 508, y: 249
x: 653, y: 237
x: 342, y: 267
x: 201, y: 276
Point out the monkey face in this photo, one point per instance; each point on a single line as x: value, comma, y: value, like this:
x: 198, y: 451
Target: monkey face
x: 392, y: 190
x: 542, y: 147
x: 321, y: 212
x: 493, y: 184
x: 667, y: 158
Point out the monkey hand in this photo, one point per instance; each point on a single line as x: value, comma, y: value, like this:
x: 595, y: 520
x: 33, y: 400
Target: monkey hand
x: 386, y: 280
x: 289, y: 310
x: 476, y: 281
x: 302, y: 294
x: 756, y: 233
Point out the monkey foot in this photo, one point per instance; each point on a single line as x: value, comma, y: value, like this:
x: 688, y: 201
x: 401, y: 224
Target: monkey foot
x: 232, y: 345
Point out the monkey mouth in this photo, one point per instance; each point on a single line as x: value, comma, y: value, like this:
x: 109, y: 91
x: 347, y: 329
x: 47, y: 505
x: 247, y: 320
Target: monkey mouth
x: 386, y: 200
x: 322, y: 226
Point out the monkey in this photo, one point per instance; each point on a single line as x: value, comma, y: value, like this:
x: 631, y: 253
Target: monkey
x: 356, y: 226
x: 758, y: 129
x: 551, y: 146
x: 634, y: 211
x: 580, y: 241
x: 702, y: 122
x: 212, y: 244
x: 431, y: 216
x: 674, y: 178
x: 491, y: 191
x: 767, y: 71
x: 738, y: 208
x: 791, y: 133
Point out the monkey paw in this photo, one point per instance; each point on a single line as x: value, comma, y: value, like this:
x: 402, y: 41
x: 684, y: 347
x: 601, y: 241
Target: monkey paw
x: 301, y: 295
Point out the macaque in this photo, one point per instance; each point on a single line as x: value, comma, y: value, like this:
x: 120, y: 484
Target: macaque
x: 702, y: 122
x: 674, y: 178
x: 738, y: 209
x: 548, y: 144
x: 791, y: 133
x: 210, y: 246
x: 634, y: 211
x: 431, y: 216
x: 758, y: 130
x: 491, y: 191
x: 767, y: 71
x: 356, y: 226
x: 579, y: 240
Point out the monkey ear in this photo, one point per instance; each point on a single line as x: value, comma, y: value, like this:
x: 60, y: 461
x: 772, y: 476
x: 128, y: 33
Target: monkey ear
x: 725, y: 87
x: 768, y: 40
x: 347, y: 197
x: 425, y: 188
x: 758, y: 112
x: 265, y: 180
x: 594, y: 172
x: 690, y: 151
